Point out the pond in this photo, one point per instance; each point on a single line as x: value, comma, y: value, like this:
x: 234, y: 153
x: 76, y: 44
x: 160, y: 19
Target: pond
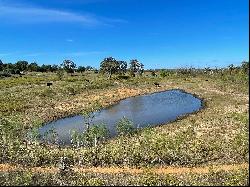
x: 144, y: 111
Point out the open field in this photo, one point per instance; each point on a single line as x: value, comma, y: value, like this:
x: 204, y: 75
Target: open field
x: 216, y: 135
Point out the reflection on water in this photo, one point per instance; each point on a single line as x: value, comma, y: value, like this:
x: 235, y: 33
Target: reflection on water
x: 146, y: 110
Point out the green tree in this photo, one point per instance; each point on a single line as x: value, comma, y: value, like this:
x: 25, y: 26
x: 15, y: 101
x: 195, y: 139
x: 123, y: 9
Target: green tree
x: 54, y: 68
x: 110, y: 66
x: 45, y: 68
x: 42, y: 68
x: 122, y: 67
x: 141, y: 69
x: 22, y: 65
x: 231, y: 68
x: 207, y: 70
x: 136, y: 67
x: 1, y: 65
x: 89, y: 68
x: 69, y: 66
x: 245, y: 67
x: 33, y: 66
x: 81, y: 69
x: 10, y: 66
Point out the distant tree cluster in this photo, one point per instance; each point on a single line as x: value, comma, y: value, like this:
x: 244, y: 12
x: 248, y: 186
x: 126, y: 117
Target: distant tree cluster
x: 244, y: 68
x: 112, y: 66
x: 21, y: 66
x: 24, y: 66
x: 109, y: 66
x: 241, y: 71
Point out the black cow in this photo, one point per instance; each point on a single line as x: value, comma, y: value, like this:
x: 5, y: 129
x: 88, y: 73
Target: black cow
x: 156, y: 84
x: 49, y: 84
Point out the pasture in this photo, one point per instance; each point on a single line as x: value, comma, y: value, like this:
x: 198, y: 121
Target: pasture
x: 216, y: 136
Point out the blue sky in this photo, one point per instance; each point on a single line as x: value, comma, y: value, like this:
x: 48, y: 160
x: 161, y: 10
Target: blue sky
x: 159, y: 33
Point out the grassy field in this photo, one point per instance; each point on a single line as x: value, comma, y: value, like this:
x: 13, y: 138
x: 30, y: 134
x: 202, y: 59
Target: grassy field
x: 216, y: 135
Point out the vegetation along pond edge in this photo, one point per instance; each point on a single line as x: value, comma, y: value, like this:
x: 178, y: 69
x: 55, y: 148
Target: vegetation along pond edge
x: 180, y: 117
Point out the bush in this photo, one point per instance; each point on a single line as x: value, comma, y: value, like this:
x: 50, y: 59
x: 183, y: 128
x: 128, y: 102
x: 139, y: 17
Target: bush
x: 5, y: 74
x: 60, y: 74
x: 125, y: 77
x: 96, y: 133
x: 164, y: 73
x: 91, y: 137
x: 153, y: 74
x: 124, y: 126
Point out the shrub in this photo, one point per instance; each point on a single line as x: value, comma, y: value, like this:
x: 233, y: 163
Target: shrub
x: 153, y: 74
x: 60, y: 74
x: 91, y: 137
x: 164, y: 73
x: 125, y: 77
x: 51, y: 136
x: 95, y: 134
x: 5, y: 74
x: 124, y: 126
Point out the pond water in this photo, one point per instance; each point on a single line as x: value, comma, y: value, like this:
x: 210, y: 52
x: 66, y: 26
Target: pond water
x: 145, y: 110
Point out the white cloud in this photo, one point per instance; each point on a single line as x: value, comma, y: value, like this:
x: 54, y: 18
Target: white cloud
x: 35, y: 15
x: 69, y: 40
x: 26, y: 14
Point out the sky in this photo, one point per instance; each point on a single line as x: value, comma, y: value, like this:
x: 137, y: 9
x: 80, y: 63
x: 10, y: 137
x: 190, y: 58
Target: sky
x: 159, y: 33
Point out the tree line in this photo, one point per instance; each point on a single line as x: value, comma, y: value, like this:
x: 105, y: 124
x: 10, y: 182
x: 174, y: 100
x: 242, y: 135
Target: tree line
x: 108, y: 66
x: 21, y: 66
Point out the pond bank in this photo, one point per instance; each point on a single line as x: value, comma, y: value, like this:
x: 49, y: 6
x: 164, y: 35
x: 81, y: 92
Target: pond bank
x: 142, y: 110
x: 104, y: 98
